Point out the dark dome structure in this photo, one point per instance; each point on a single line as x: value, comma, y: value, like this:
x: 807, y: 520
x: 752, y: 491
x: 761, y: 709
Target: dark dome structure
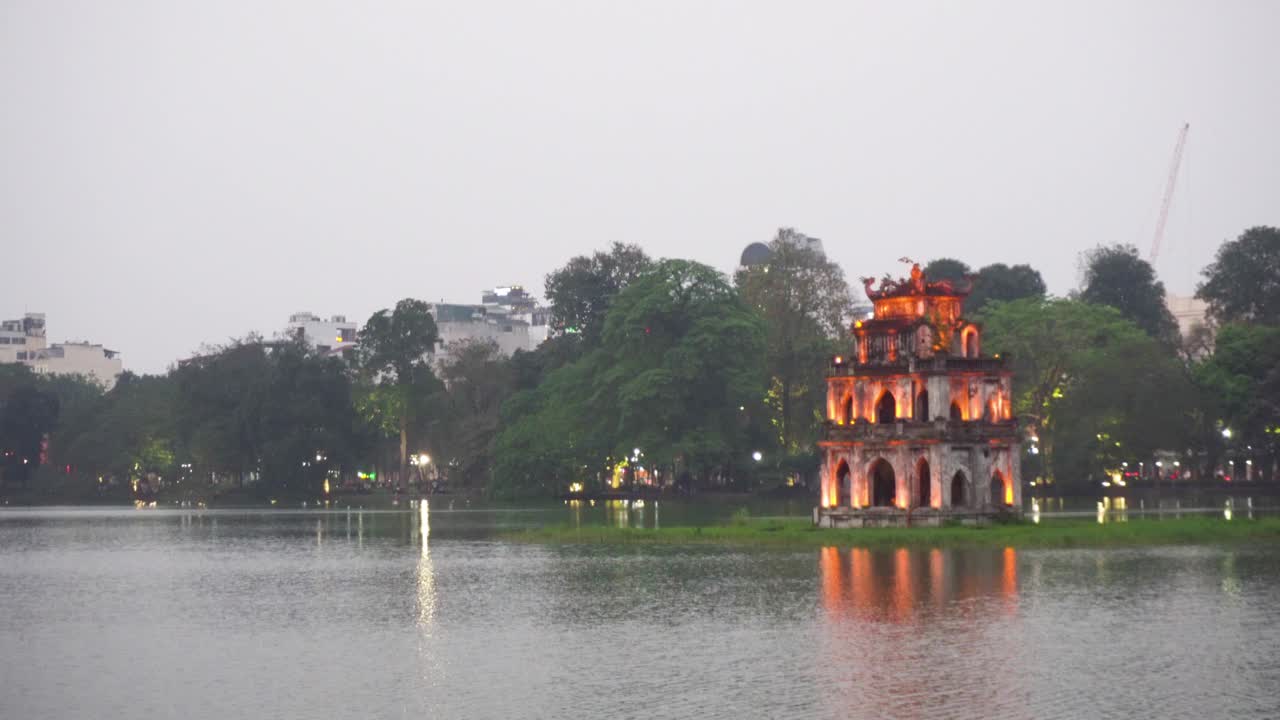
x: 755, y: 254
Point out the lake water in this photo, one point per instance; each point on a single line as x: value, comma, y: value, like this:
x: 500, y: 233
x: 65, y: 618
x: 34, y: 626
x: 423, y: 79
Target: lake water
x: 166, y: 614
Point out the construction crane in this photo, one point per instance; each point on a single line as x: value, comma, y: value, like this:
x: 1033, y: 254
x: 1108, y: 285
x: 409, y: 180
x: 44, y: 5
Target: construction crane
x: 1168, y: 192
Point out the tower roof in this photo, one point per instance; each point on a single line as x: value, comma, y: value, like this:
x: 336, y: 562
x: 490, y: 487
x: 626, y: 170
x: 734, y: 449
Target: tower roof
x: 755, y: 254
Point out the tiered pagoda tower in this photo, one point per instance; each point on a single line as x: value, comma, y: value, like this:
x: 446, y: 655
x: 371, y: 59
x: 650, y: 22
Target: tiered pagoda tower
x: 920, y: 427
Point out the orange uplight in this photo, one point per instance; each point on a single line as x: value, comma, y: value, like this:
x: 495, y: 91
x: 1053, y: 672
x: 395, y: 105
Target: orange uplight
x: 857, y: 323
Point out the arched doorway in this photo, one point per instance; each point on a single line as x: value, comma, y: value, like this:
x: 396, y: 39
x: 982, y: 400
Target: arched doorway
x: 886, y: 408
x: 971, y: 343
x: 958, y: 499
x: 846, y: 410
x: 842, y: 485
x: 884, y: 486
x: 997, y: 490
x: 957, y: 415
x: 922, y: 406
x: 924, y: 484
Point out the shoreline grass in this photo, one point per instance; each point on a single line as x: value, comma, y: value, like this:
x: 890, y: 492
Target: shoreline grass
x: 800, y: 533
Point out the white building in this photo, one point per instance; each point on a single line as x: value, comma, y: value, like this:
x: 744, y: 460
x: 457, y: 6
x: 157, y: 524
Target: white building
x: 1188, y: 310
x: 509, y: 316
x: 24, y: 341
x: 21, y: 335
x: 337, y: 334
x: 480, y: 322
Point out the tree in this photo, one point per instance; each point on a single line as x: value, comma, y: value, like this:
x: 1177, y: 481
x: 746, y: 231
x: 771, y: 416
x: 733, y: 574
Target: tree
x: 1117, y: 276
x: 1243, y: 378
x: 682, y: 358
x: 580, y: 292
x: 805, y: 302
x: 1000, y: 282
x: 1089, y: 383
x: 547, y: 438
x: 218, y: 406
x: 393, y: 356
x: 130, y: 431
x: 28, y: 414
x: 478, y: 381
x: 679, y: 364
x: 947, y: 269
x: 307, y: 419
x: 1243, y: 282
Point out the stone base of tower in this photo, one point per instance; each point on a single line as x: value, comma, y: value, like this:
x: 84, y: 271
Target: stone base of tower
x: 846, y: 517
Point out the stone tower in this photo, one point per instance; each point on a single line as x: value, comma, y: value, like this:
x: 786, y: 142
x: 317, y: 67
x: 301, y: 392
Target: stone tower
x: 919, y: 427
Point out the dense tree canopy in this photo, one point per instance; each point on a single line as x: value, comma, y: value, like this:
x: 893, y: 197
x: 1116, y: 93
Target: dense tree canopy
x: 1117, y: 276
x: 805, y: 303
x: 398, y: 385
x: 478, y: 381
x: 580, y: 292
x: 28, y: 412
x: 678, y: 374
x: 1243, y: 283
x: 1089, y: 383
x: 947, y: 269
x: 1001, y: 283
x: 1243, y: 379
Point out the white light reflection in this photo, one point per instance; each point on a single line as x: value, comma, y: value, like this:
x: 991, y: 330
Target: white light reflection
x: 426, y: 573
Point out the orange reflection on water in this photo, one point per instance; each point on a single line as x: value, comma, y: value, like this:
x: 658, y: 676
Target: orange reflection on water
x: 898, y: 585
x: 908, y: 629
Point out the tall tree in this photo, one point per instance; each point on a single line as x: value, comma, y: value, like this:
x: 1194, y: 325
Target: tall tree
x: 1089, y: 383
x: 28, y: 413
x: 805, y: 302
x: 1243, y: 282
x: 1117, y: 276
x: 307, y: 419
x: 218, y: 406
x: 1001, y: 283
x: 478, y: 381
x: 580, y: 292
x: 682, y: 358
x: 1243, y: 378
x: 131, y: 431
x: 947, y: 269
x: 393, y: 356
x: 678, y: 374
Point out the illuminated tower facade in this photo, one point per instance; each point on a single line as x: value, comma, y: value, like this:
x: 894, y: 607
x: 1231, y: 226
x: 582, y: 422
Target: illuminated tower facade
x: 920, y: 427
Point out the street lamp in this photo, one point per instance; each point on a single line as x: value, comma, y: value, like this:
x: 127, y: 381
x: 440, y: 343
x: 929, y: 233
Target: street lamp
x: 757, y: 456
x: 1226, y: 433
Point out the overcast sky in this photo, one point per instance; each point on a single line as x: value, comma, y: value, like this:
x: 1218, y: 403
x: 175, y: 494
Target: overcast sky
x: 175, y: 173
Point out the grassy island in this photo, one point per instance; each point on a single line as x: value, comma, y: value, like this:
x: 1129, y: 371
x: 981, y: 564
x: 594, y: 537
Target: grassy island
x: 801, y: 533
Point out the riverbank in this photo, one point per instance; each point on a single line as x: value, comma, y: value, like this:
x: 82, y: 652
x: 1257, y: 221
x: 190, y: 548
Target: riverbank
x: 801, y: 533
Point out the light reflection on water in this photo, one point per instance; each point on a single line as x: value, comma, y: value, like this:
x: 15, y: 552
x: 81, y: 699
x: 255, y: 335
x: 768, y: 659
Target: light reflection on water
x: 421, y: 614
